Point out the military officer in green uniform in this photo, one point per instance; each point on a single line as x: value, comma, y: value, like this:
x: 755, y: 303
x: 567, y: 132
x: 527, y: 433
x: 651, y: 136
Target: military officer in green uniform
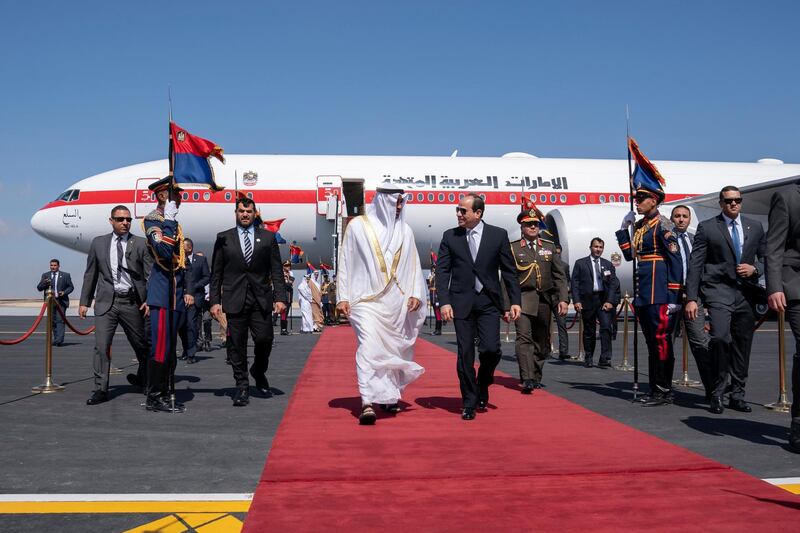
x: 543, y: 283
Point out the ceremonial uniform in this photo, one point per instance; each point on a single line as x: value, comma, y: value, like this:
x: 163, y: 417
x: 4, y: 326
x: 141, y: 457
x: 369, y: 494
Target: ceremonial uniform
x: 658, y: 281
x: 288, y: 280
x: 434, y: 301
x: 543, y: 284
x: 165, y: 240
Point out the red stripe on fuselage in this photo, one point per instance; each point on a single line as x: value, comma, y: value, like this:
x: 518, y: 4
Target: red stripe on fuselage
x: 309, y: 196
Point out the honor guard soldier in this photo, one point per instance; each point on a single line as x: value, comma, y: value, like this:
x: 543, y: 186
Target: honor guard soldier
x: 434, y: 301
x: 543, y: 283
x: 659, y: 279
x: 165, y: 240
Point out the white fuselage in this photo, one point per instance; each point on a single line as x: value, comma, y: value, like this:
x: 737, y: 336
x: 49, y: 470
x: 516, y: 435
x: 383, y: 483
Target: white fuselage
x: 585, y: 197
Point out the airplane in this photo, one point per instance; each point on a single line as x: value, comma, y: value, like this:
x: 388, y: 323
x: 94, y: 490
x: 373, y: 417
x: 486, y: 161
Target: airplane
x: 317, y: 194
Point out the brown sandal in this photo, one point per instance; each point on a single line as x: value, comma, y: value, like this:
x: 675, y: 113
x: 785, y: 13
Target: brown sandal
x: 368, y: 416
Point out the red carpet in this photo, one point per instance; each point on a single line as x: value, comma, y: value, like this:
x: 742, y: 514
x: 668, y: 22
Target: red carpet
x: 531, y: 463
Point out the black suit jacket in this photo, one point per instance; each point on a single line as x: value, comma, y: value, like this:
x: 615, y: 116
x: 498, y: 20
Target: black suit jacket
x: 782, y: 261
x: 712, y: 265
x: 456, y: 271
x: 231, y: 275
x: 64, y: 283
x: 200, y: 274
x: 583, y: 281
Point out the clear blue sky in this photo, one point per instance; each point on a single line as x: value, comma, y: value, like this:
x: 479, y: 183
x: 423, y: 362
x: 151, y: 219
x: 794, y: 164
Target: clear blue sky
x: 84, y: 86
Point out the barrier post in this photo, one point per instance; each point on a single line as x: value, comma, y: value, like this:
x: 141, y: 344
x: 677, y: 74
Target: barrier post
x: 48, y: 385
x: 625, y: 366
x: 685, y: 382
x: 580, y: 356
x: 782, y: 405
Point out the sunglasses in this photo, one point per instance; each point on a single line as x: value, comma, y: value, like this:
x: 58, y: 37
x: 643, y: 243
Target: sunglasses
x: 641, y: 197
x: 121, y: 219
x: 530, y: 224
x: 461, y: 210
x: 730, y: 201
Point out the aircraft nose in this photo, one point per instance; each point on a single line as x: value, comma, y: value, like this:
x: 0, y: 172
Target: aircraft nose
x: 39, y: 223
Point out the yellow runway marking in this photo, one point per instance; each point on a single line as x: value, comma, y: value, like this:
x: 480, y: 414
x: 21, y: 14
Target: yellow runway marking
x: 199, y: 522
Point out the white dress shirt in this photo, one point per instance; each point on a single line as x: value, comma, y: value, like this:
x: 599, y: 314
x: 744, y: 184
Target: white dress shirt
x: 124, y: 283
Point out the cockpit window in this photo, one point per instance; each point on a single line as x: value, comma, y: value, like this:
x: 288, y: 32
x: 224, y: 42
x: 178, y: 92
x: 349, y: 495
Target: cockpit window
x: 70, y: 195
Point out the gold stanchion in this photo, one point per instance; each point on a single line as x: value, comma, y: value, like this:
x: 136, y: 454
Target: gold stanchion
x: 685, y: 382
x: 48, y: 385
x: 625, y: 366
x: 782, y: 405
x: 580, y: 356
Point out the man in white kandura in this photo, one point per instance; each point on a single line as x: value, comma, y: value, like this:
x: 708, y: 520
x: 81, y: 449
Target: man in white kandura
x: 381, y: 289
x: 304, y: 297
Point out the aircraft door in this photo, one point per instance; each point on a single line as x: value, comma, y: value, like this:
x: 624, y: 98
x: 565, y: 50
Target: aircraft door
x: 327, y: 187
x: 353, y: 191
x: 145, y: 200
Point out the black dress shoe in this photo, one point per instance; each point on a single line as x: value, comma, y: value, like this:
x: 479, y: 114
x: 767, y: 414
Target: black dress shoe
x: 563, y: 356
x: 241, y: 398
x: 97, y: 396
x: 740, y: 405
x: 716, y: 405
x: 182, y: 357
x: 133, y: 379
x: 656, y: 400
x: 284, y: 332
x: 228, y: 361
x: 468, y: 413
x: 191, y: 360
x: 537, y: 384
x: 435, y: 333
x: 588, y: 364
x: 527, y: 386
x: 604, y: 364
x: 482, y: 404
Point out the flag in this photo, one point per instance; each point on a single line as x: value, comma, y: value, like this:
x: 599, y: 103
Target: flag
x: 310, y: 269
x: 434, y: 257
x: 325, y: 267
x: 274, y: 226
x: 295, y: 253
x: 190, y: 157
x: 645, y: 174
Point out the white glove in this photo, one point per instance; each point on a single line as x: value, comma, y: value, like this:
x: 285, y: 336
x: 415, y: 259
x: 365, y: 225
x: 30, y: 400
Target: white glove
x: 171, y: 210
x: 673, y: 308
x: 629, y: 219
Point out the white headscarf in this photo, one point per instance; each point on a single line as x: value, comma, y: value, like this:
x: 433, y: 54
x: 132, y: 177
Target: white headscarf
x: 389, y: 227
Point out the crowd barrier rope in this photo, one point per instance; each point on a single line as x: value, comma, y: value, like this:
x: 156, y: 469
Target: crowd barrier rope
x: 30, y: 331
x: 69, y: 324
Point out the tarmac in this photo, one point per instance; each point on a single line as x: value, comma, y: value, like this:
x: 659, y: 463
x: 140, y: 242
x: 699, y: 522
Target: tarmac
x: 54, y: 444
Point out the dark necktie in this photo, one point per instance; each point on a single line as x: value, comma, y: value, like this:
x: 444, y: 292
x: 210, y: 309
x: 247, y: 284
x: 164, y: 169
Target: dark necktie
x: 685, y: 251
x: 120, y: 254
x: 737, y: 248
x: 248, y: 247
x: 597, y: 275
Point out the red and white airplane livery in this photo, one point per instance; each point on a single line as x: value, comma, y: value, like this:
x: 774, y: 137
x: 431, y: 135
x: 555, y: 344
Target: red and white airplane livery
x: 583, y: 198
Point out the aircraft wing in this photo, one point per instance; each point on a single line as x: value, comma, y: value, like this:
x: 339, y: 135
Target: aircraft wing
x: 756, y: 197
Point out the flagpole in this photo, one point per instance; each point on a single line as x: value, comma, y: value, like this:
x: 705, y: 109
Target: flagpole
x: 173, y: 334
x: 633, y: 252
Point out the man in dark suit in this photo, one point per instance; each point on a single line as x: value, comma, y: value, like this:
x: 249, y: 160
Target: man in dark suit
x: 595, y: 289
x: 782, y: 264
x: 200, y: 274
x: 543, y: 285
x: 724, y: 268
x: 61, y: 282
x: 696, y: 334
x: 116, y: 275
x: 468, y: 287
x: 247, y: 283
